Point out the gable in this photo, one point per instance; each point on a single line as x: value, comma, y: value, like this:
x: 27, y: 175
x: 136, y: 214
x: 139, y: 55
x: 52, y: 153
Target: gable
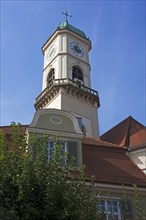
x: 128, y: 133
x: 57, y: 121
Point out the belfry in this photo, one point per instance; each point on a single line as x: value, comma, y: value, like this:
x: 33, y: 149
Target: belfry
x: 66, y: 78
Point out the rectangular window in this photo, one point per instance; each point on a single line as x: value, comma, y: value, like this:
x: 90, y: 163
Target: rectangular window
x: 64, y: 150
x: 51, y: 147
x: 67, y: 146
x: 110, y: 209
x: 50, y: 150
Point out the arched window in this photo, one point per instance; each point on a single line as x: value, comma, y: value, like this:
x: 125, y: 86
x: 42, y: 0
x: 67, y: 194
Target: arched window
x: 77, y: 74
x: 51, y: 77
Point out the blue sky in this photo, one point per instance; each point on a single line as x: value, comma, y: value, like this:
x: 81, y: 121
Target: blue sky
x: 117, y: 32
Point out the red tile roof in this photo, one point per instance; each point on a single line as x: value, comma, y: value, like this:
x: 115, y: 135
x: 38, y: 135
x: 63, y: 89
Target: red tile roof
x: 93, y: 141
x: 8, y: 129
x: 128, y: 133
x: 111, y: 165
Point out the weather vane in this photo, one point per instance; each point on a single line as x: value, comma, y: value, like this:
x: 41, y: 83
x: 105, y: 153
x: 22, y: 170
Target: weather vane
x: 66, y: 14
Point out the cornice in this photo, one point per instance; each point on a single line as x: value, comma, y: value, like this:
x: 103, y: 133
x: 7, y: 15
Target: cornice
x: 54, y: 132
x: 71, y: 90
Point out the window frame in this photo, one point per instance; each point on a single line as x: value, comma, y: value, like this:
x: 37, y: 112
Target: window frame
x: 109, y: 212
x: 51, y: 77
x: 51, y: 147
x: 77, y: 74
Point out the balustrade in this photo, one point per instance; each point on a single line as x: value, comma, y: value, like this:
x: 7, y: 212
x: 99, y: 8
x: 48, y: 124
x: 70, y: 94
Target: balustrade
x: 65, y: 81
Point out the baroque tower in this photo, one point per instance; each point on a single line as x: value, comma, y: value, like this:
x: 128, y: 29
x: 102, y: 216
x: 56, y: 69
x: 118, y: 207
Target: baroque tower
x: 66, y: 78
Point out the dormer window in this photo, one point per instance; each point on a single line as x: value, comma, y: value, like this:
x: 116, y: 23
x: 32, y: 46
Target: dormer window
x: 51, y: 77
x: 77, y: 74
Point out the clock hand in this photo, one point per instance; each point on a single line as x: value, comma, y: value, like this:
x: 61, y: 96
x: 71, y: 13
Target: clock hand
x: 77, y: 48
x: 52, y: 51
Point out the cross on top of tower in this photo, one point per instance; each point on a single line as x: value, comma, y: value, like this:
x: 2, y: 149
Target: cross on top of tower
x: 66, y: 14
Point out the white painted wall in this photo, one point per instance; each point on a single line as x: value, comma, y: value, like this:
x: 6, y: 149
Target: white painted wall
x: 55, y: 103
x: 82, y: 109
x: 64, y: 59
x: 138, y: 156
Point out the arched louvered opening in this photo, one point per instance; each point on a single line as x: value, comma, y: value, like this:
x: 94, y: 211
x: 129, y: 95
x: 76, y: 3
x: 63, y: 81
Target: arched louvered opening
x: 51, y: 77
x: 77, y: 74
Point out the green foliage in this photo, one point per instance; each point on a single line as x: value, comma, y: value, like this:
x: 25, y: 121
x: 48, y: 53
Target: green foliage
x: 139, y: 206
x: 126, y: 207
x: 133, y: 208
x: 31, y: 187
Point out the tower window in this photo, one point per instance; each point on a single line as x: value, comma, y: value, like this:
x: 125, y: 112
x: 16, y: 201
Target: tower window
x: 51, y: 77
x: 77, y: 73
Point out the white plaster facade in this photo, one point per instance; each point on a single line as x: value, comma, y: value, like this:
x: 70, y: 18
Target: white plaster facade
x: 79, y: 108
x: 64, y: 58
x: 138, y: 156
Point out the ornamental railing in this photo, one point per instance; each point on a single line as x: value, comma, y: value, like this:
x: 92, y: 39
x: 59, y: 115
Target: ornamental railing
x: 65, y: 81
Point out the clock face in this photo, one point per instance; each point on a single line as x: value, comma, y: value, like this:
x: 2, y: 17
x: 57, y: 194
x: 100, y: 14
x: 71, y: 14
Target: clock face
x: 77, y: 49
x: 51, y: 52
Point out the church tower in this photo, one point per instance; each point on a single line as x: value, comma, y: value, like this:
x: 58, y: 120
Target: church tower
x: 66, y: 78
